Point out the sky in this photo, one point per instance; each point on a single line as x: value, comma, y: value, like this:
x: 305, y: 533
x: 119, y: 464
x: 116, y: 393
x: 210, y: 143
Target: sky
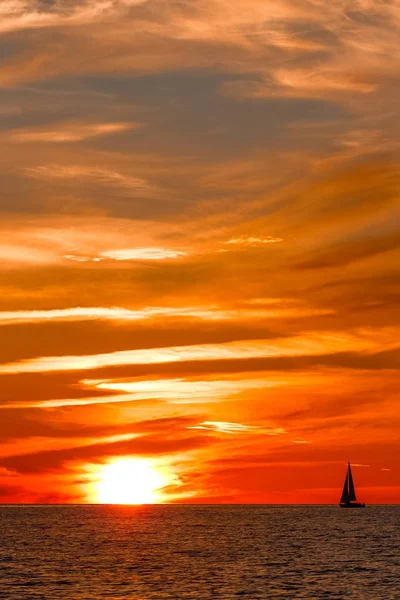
x: 199, y: 249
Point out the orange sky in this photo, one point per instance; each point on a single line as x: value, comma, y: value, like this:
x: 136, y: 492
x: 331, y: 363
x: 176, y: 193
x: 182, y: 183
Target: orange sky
x: 199, y: 247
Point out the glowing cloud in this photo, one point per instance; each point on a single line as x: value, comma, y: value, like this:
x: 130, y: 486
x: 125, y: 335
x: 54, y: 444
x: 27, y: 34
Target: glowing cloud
x: 143, y: 254
x: 254, y: 241
x: 71, y: 133
x: 99, y: 313
x: 180, y: 391
x: 232, y: 428
x: 314, y: 344
x: 91, y: 313
x: 15, y: 254
x: 75, y: 174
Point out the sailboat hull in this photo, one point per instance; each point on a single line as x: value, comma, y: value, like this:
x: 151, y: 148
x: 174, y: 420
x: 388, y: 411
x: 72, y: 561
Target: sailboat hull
x: 352, y: 505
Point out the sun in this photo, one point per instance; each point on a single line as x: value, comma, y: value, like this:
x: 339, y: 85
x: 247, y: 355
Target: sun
x: 130, y: 481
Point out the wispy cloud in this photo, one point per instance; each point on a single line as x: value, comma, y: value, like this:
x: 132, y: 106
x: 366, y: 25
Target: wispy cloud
x: 177, y: 391
x: 107, y: 177
x: 94, y: 313
x: 237, y: 428
x: 250, y: 38
x: 70, y: 132
x: 115, y: 313
x: 127, y: 254
x: 143, y: 254
x: 254, y: 241
x: 111, y: 313
x: 312, y: 344
x: 31, y: 14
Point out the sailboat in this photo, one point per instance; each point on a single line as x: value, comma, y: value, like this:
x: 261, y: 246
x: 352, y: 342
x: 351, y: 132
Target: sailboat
x: 349, y: 499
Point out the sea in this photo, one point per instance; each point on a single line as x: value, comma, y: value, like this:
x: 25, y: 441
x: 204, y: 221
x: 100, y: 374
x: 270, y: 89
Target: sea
x: 199, y: 552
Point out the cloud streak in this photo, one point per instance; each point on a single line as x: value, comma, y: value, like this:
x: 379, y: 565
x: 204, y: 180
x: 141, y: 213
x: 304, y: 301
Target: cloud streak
x: 210, y: 313
x: 71, y: 133
x: 237, y: 428
x: 307, y: 345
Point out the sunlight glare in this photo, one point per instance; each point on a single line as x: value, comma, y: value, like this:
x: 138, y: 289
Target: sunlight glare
x: 130, y: 481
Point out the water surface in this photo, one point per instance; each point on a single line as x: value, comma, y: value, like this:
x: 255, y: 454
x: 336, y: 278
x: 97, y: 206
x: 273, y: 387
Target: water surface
x: 199, y: 552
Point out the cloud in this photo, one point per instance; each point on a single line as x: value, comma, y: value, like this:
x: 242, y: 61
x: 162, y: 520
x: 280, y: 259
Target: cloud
x: 107, y: 177
x: 179, y: 391
x: 50, y: 460
x: 33, y: 424
x: 210, y: 313
x: 99, y: 313
x: 169, y: 253
x: 224, y: 427
x: 31, y: 14
x: 232, y: 428
x: 70, y: 133
x: 12, y: 253
x: 73, y: 314
x: 210, y: 383
x: 363, y: 245
x: 142, y: 254
x: 307, y: 345
x: 323, y: 80
x: 280, y: 44
x: 254, y: 241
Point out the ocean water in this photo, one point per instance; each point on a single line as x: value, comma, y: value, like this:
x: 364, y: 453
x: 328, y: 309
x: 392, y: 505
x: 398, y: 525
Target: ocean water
x: 199, y: 552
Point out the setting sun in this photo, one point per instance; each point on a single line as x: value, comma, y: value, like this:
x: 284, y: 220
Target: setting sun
x: 130, y: 481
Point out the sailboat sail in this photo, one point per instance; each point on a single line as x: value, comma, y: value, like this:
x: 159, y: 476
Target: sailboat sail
x: 348, y: 498
x: 345, y: 494
x: 352, y: 492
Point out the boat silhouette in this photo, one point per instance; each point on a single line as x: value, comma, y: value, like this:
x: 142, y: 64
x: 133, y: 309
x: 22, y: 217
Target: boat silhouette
x: 349, y: 498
